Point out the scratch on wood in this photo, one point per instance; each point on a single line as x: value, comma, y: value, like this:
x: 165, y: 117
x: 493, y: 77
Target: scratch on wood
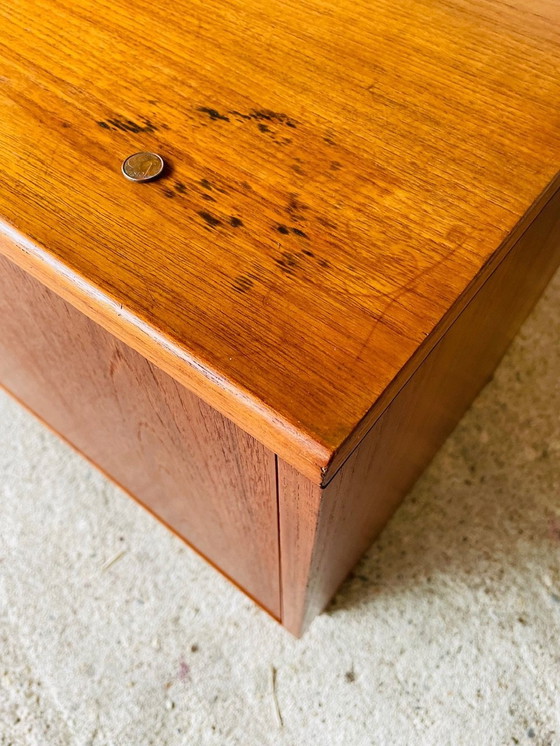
x: 406, y: 288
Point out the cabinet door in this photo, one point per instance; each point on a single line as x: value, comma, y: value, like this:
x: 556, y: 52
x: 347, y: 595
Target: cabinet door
x: 210, y: 482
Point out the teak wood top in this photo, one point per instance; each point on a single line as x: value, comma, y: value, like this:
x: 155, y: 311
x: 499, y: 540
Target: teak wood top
x: 342, y: 176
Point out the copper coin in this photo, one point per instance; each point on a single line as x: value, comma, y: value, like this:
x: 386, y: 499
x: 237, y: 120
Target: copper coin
x: 142, y: 166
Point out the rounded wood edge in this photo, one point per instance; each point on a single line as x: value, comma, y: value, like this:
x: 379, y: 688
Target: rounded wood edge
x: 311, y: 458
x: 244, y: 409
x: 348, y: 445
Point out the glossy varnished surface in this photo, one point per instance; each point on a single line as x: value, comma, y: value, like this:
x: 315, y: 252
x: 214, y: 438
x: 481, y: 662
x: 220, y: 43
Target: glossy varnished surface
x: 339, y: 173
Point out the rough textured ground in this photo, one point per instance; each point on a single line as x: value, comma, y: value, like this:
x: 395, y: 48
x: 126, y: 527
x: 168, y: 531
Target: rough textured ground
x: 447, y: 633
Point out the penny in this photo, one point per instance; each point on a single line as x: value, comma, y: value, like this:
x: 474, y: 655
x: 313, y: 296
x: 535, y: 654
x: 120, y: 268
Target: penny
x: 142, y: 166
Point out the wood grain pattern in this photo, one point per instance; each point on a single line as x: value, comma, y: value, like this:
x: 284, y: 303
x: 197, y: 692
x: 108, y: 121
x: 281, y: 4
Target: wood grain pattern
x: 324, y: 531
x: 342, y: 178
x: 210, y: 482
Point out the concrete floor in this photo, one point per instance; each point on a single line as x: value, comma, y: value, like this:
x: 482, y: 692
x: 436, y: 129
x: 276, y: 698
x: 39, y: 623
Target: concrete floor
x: 113, y: 632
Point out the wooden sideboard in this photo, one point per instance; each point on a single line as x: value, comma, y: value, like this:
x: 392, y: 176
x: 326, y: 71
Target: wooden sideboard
x: 266, y: 345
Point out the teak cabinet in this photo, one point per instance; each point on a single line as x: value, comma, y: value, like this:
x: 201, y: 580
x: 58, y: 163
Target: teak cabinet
x: 267, y: 345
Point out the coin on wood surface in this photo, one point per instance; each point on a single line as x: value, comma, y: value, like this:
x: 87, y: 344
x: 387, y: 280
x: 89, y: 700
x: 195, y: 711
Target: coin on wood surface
x: 142, y: 166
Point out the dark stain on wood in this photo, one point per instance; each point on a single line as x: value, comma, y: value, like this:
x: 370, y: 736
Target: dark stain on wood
x: 240, y: 114
x: 295, y: 208
x: 287, y: 262
x: 273, y: 116
x: 326, y: 222
x: 210, y: 219
x: 128, y: 125
x: 284, y: 230
x: 266, y: 115
x: 213, y: 114
x: 242, y: 284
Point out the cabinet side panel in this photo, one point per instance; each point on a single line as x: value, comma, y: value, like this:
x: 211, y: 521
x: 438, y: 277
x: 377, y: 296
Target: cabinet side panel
x: 339, y: 521
x: 299, y: 503
x: 203, y: 476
